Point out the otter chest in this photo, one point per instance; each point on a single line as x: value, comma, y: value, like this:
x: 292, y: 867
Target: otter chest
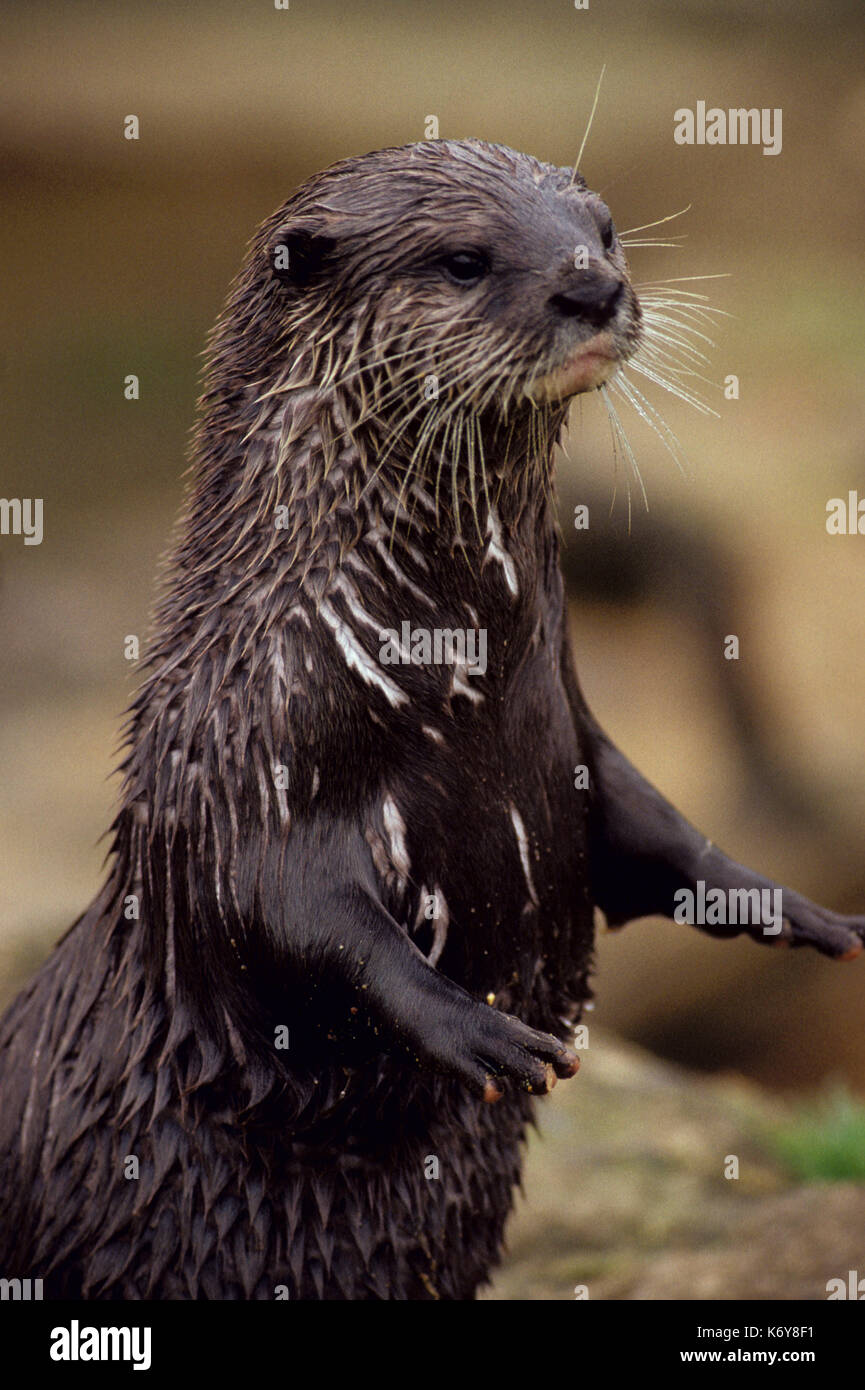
x: 474, y: 834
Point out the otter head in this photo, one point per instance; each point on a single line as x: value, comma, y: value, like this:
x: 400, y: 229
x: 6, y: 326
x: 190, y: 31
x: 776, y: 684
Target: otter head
x: 480, y: 272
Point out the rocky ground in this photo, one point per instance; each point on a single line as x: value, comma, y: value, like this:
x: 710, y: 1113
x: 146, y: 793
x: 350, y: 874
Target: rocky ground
x: 625, y: 1193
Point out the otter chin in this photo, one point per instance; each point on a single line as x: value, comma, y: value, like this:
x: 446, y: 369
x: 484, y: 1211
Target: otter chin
x: 587, y: 368
x: 353, y: 881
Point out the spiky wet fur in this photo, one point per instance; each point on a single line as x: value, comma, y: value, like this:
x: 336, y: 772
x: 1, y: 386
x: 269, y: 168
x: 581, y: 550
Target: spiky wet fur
x: 149, y: 1034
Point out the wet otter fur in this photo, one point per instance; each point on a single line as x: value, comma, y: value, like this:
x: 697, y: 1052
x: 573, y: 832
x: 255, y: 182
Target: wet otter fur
x: 291, y: 1048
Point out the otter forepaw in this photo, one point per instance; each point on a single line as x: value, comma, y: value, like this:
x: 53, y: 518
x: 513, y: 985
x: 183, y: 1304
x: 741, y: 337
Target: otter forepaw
x: 773, y: 915
x: 805, y: 923
x: 491, y: 1047
x: 796, y: 920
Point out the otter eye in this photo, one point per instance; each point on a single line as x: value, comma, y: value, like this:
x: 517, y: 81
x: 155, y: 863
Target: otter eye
x: 465, y: 267
x: 608, y: 234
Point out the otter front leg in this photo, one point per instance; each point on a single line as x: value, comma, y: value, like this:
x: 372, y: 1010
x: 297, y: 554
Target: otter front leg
x: 331, y: 925
x: 643, y: 852
x: 439, y: 1024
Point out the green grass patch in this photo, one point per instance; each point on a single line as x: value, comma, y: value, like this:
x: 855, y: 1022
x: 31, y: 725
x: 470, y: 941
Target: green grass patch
x: 825, y: 1141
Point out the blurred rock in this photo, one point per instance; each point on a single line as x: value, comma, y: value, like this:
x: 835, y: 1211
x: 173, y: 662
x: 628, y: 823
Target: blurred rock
x: 626, y: 1193
x: 785, y: 1247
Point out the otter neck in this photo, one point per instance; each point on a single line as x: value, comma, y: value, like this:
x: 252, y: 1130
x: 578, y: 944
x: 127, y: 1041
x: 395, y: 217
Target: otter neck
x: 289, y: 489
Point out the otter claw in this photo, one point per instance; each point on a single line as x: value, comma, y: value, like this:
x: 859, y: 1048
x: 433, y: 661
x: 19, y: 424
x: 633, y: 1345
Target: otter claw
x: 841, y: 938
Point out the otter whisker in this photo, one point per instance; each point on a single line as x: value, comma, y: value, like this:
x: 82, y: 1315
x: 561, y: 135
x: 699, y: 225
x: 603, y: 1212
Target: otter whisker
x: 620, y: 429
x: 480, y: 448
x: 373, y: 357
x: 616, y: 434
x: 671, y: 346
x: 678, y: 351
x: 440, y: 467
x: 588, y: 125
x: 647, y: 412
x: 399, y: 429
x: 455, y: 458
x: 683, y: 372
x: 475, y: 459
x: 660, y: 221
x: 418, y: 453
x: 686, y: 321
x: 507, y: 455
x: 685, y: 316
x: 674, y: 388
x: 430, y: 428
x: 381, y: 400
x: 682, y: 279
x: 672, y: 245
x: 676, y: 362
x: 362, y: 365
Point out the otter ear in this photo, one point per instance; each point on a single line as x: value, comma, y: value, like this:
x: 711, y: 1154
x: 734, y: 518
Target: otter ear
x: 299, y: 253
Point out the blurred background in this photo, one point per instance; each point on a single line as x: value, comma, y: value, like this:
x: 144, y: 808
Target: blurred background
x: 117, y: 255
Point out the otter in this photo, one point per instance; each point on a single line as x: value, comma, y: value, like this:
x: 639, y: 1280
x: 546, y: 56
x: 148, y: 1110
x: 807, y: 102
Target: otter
x: 292, y: 1047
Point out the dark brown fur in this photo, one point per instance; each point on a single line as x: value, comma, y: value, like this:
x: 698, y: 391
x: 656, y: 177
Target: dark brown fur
x: 293, y: 811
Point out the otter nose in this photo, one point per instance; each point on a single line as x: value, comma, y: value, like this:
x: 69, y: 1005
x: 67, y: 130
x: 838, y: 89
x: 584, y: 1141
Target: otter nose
x: 593, y: 297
